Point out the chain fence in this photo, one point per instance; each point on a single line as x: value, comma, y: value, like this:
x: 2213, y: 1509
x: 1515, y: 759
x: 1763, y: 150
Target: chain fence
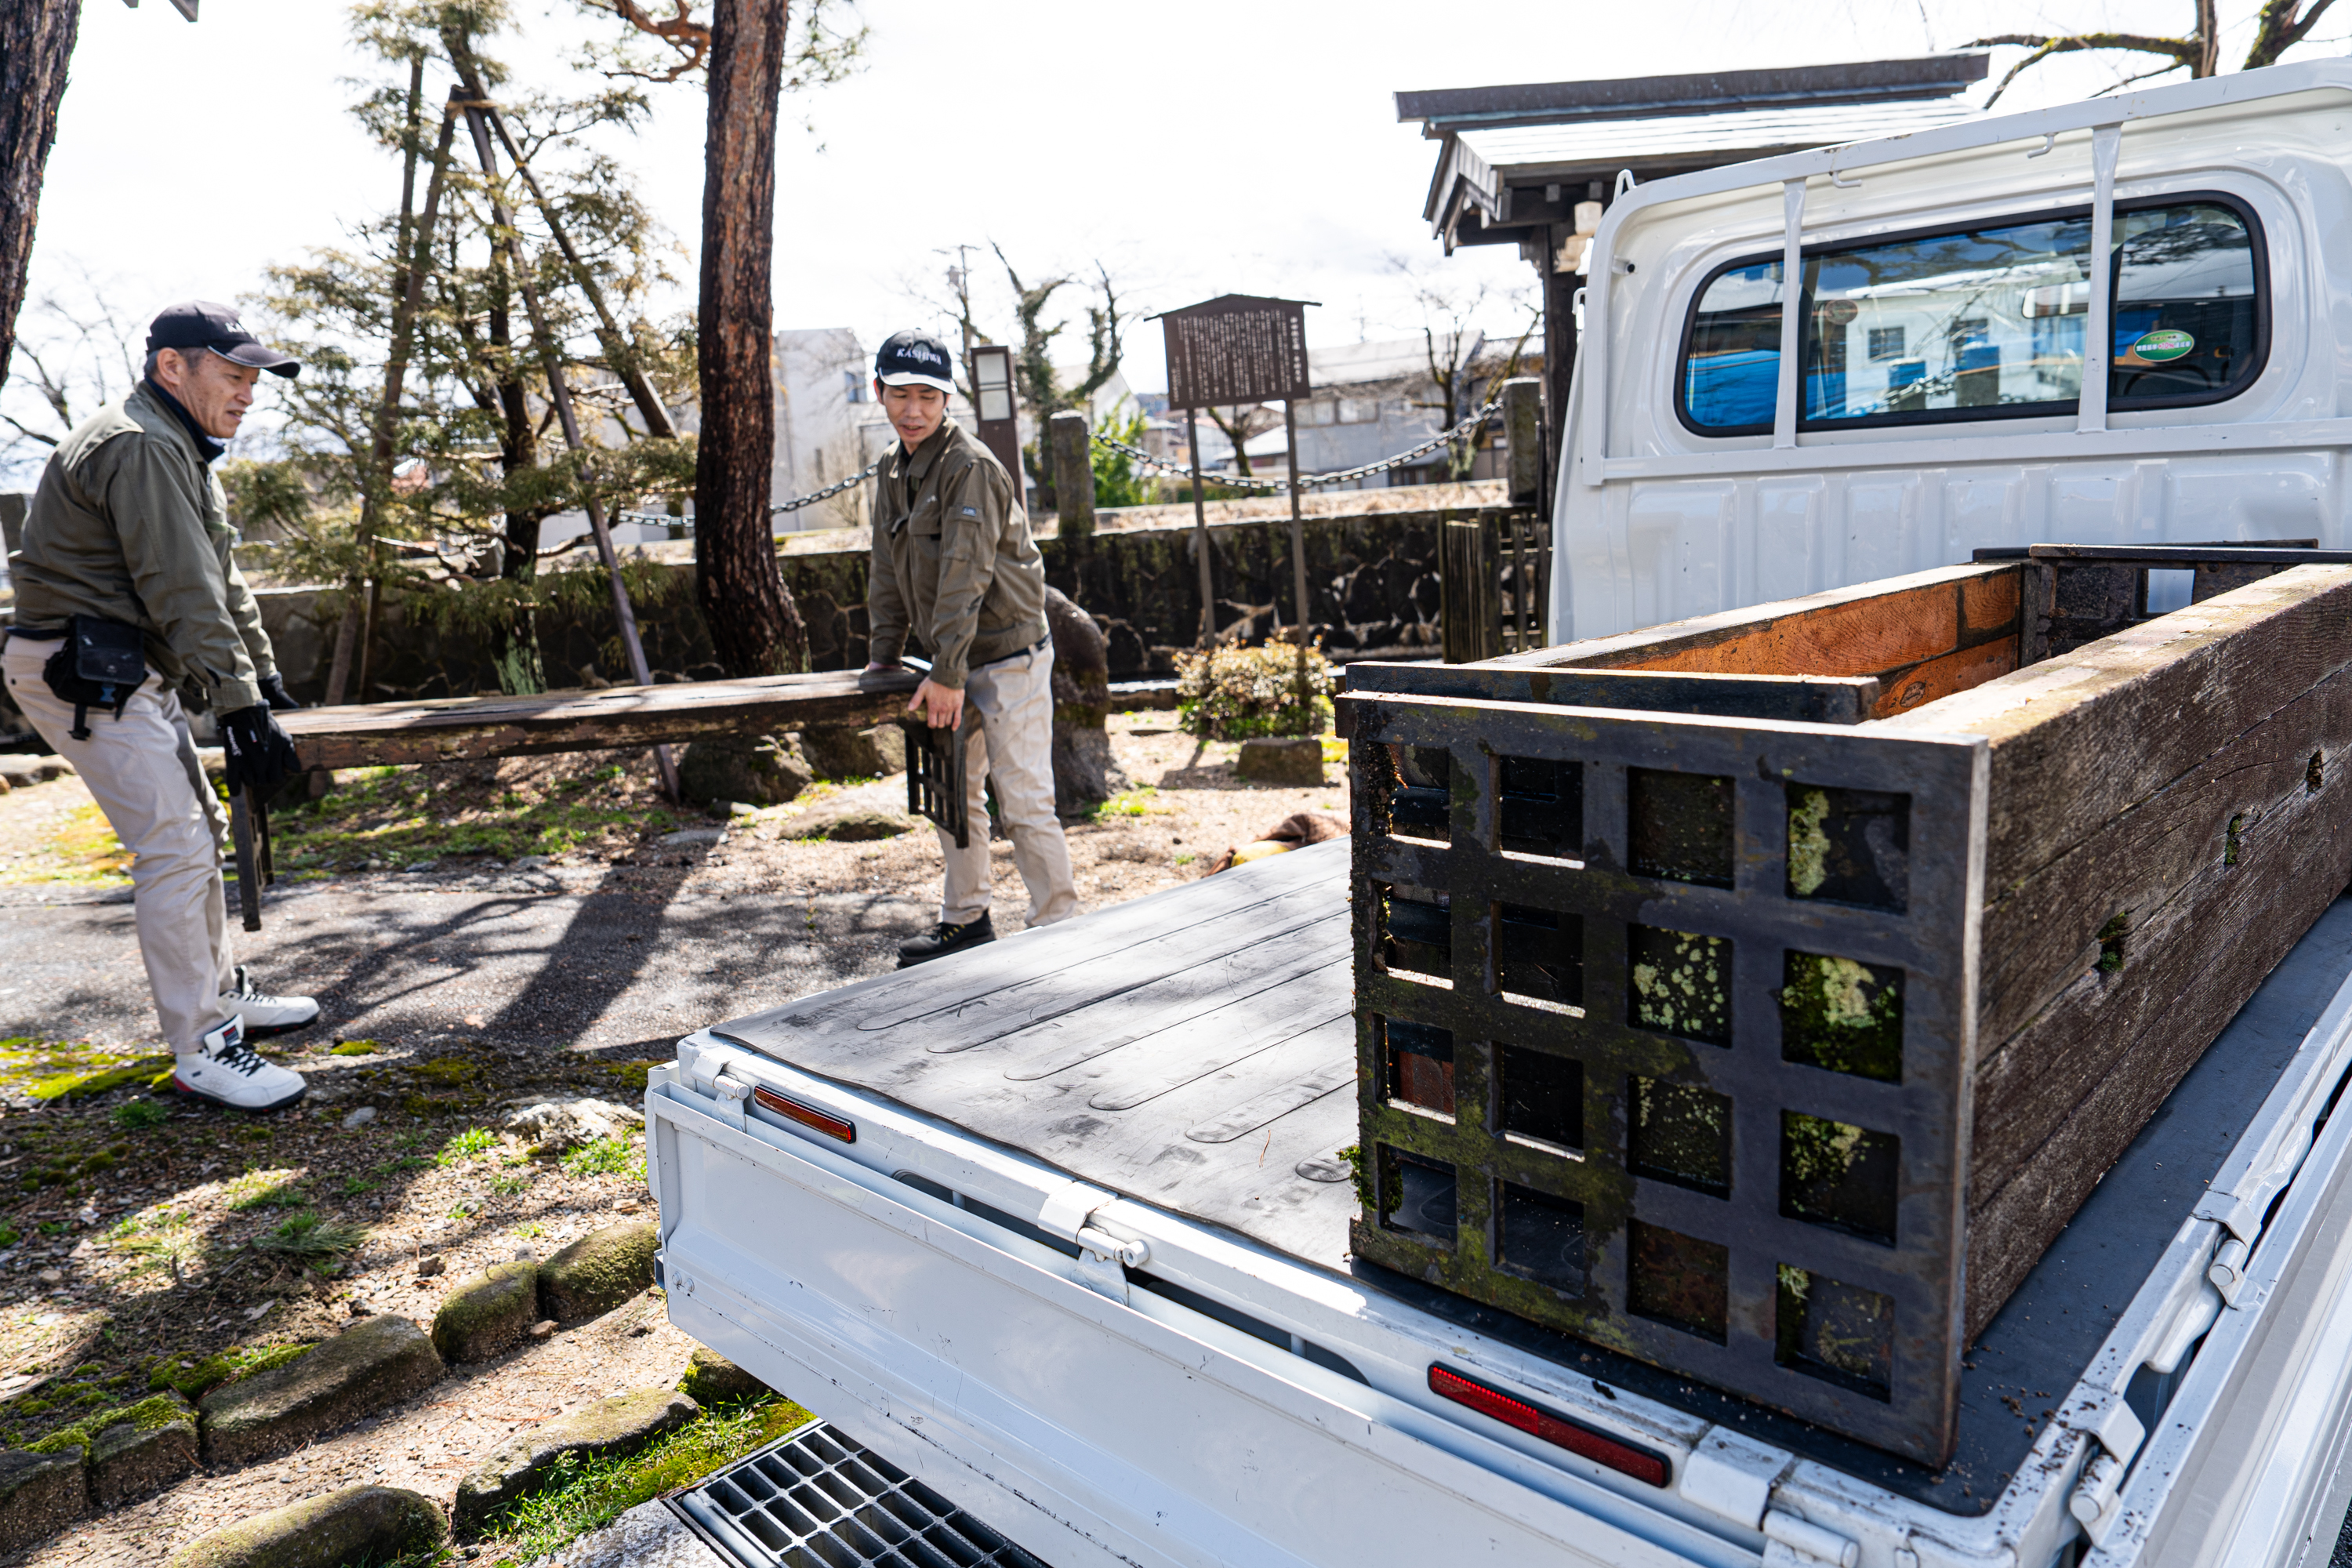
x: 1137, y: 454
x: 1306, y: 482
x: 831, y: 490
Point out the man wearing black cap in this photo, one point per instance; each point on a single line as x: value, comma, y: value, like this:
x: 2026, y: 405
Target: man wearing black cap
x: 954, y: 566
x: 127, y: 597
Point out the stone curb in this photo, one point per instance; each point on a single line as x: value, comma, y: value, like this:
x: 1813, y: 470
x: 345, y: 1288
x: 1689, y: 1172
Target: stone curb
x: 40, y: 1494
x: 374, y: 1362
x: 357, y: 1524
x: 620, y: 1424
x: 598, y: 1272
x: 711, y: 1379
x: 489, y: 1313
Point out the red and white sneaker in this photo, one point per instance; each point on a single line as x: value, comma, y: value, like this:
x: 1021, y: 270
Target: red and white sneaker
x: 262, y: 1013
x: 225, y: 1071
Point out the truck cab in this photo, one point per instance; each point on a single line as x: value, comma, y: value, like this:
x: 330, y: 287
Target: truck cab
x: 1811, y: 371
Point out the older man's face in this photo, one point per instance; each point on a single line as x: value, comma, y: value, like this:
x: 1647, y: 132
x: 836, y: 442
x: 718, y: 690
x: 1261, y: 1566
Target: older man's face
x: 215, y: 391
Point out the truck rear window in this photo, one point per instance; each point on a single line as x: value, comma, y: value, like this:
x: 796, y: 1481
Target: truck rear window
x: 1987, y: 322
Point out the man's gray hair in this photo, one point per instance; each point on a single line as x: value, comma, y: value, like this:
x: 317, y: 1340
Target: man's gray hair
x: 187, y: 358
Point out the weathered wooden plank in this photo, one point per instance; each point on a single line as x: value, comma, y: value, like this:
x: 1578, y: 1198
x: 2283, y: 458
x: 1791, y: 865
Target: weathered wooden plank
x: 1870, y: 629
x: 1810, y: 700
x: 463, y: 729
x: 2046, y: 932
x: 2078, y: 740
x: 2208, y: 949
x: 1181, y: 1044
x: 1939, y: 678
x: 2160, y: 884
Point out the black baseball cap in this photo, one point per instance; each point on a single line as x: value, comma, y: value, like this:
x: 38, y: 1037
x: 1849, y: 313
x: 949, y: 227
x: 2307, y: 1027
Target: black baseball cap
x: 201, y: 324
x: 915, y: 358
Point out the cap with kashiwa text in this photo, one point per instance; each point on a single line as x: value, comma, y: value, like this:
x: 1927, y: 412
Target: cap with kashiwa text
x: 914, y: 358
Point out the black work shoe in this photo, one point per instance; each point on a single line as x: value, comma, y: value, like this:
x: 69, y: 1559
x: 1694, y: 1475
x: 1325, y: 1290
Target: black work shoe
x: 943, y: 939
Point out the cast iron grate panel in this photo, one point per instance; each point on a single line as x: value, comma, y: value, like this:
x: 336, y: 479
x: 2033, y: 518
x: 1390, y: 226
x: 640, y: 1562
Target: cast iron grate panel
x: 818, y: 1500
x: 936, y: 780
x: 1765, y: 1013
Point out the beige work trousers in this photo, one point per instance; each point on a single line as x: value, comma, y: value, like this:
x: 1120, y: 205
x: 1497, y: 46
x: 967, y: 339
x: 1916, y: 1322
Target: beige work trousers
x: 1014, y: 743
x: 142, y: 770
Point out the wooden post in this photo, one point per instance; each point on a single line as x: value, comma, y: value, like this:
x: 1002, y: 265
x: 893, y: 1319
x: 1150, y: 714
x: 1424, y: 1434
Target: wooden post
x: 1074, y: 474
x: 1303, y: 611
x: 1201, y: 531
x: 1523, y: 434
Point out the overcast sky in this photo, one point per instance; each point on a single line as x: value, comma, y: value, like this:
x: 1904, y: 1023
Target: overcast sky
x: 1194, y: 149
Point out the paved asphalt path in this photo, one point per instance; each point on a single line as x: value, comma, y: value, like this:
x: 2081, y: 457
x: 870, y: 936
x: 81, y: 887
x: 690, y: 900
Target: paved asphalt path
x: 619, y: 960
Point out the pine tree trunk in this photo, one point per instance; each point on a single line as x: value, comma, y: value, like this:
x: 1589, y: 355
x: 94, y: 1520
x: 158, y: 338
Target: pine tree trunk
x: 754, y: 625
x: 37, y: 39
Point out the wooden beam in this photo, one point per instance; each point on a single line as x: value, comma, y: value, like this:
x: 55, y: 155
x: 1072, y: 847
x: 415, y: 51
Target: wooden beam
x: 1810, y: 700
x: 469, y: 728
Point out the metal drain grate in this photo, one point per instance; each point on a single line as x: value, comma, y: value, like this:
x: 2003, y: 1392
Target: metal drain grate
x: 816, y: 1500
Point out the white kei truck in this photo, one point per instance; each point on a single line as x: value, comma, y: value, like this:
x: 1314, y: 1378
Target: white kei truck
x: 1054, y: 1234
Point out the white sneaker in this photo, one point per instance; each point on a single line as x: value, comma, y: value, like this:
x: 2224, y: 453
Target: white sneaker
x: 224, y: 1069
x: 264, y: 1015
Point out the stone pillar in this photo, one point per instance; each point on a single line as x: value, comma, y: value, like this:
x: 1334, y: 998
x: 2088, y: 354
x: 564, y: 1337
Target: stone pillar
x: 1084, y: 774
x: 1074, y: 474
x: 1523, y: 431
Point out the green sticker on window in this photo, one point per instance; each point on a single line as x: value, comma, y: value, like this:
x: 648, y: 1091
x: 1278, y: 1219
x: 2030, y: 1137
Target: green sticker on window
x: 2160, y: 346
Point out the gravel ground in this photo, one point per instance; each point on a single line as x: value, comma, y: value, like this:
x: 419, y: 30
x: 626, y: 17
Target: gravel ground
x: 451, y: 992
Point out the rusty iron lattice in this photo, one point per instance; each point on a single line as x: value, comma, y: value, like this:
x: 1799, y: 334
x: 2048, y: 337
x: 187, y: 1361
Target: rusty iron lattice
x: 1237, y: 348
x: 936, y: 783
x: 1663, y: 1024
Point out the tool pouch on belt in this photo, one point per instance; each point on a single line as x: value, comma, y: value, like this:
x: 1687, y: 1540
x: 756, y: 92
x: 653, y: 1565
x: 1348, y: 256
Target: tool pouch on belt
x: 100, y: 665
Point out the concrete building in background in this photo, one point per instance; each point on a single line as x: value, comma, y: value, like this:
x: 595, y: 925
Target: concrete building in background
x: 828, y: 425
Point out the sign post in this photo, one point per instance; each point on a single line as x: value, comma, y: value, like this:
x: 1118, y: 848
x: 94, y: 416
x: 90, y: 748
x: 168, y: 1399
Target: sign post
x: 1239, y: 349
x: 999, y: 425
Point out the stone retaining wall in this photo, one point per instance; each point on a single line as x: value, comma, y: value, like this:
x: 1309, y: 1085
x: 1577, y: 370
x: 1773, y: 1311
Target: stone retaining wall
x: 1372, y: 575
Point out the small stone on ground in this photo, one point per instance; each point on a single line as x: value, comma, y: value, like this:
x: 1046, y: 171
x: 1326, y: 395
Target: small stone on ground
x: 1297, y: 762
x: 621, y: 1424
x: 712, y: 1379
x: 356, y: 1524
x: 489, y: 1313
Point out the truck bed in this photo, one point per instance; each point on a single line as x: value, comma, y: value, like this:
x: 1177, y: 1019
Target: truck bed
x: 1191, y: 1050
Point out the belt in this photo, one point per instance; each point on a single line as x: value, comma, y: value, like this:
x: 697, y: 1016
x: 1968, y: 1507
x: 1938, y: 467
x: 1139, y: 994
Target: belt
x: 37, y: 634
x: 1017, y: 653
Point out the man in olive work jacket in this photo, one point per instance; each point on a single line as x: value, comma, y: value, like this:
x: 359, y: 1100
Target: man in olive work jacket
x: 954, y: 564
x: 126, y: 549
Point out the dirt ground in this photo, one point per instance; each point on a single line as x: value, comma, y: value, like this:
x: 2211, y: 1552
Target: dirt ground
x: 476, y: 935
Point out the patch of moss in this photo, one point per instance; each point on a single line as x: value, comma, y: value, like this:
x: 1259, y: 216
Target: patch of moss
x: 82, y: 1079
x: 193, y: 1379
x: 356, y: 1049
x: 632, y: 1075
x: 446, y: 1072
x: 1844, y: 1015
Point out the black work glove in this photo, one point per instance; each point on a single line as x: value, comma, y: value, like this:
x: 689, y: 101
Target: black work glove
x: 274, y: 692
x: 260, y: 754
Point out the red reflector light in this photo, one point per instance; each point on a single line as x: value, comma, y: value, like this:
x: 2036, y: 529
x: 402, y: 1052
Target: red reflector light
x: 808, y: 1116
x: 1599, y: 1447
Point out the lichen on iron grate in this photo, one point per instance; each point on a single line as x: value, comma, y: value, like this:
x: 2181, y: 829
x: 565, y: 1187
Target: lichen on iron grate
x: 1663, y: 1028
x: 815, y: 1499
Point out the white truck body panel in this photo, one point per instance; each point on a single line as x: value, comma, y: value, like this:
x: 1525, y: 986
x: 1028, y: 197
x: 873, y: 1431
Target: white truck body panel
x: 1092, y: 1421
